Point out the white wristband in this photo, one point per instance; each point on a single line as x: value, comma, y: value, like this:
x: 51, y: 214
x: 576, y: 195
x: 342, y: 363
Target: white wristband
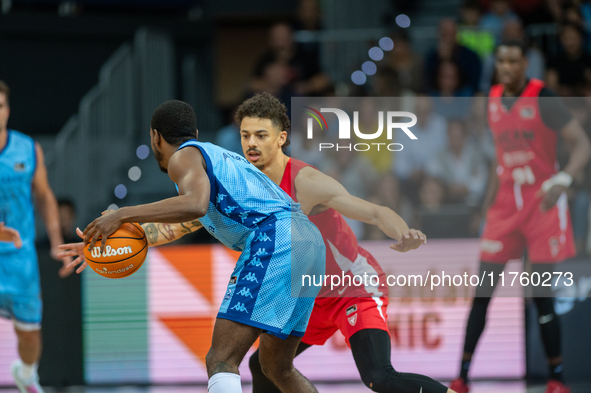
x: 560, y: 179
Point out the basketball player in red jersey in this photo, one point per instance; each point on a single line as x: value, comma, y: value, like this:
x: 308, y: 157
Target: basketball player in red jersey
x: 358, y: 312
x: 530, y: 208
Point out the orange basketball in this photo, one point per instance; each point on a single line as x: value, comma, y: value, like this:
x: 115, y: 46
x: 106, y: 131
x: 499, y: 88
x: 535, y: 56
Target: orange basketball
x: 124, y: 254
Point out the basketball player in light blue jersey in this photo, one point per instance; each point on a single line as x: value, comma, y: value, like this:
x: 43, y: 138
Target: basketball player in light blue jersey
x: 246, y: 211
x: 24, y: 186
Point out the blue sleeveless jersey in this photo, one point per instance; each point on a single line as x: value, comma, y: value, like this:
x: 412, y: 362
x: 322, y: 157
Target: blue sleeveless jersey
x: 241, y: 197
x: 17, y: 167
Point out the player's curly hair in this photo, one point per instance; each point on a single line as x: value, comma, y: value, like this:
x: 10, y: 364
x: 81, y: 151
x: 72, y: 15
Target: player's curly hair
x: 175, y: 121
x: 266, y: 106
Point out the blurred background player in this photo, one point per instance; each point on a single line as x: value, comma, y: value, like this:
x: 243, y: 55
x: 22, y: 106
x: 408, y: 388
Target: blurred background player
x: 358, y: 312
x: 530, y: 206
x: 24, y: 186
x: 247, y: 212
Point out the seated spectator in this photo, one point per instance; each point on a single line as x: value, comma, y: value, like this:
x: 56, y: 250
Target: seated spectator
x: 451, y: 97
x: 430, y: 130
x: 407, y: 63
x: 479, y: 134
x: 227, y: 136
x: 536, y: 67
x: 461, y: 167
x: 386, y: 83
x: 447, y: 50
x: 567, y: 72
x: 273, y: 79
x: 431, y: 194
x: 471, y: 35
x: 304, y: 75
x: 494, y: 20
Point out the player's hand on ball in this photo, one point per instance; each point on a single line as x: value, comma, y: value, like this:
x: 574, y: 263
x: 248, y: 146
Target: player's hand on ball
x: 10, y: 235
x: 551, y: 197
x: 104, y: 226
x: 410, y: 240
x: 74, y: 250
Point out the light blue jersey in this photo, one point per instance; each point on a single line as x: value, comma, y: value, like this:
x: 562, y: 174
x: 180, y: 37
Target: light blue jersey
x: 250, y: 213
x: 19, y: 271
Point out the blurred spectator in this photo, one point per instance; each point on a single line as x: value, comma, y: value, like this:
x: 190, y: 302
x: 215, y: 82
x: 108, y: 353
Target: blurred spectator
x: 452, y: 97
x: 274, y: 79
x: 386, y: 192
x: 471, y: 35
x: 461, y: 167
x: 407, y: 63
x: 368, y: 123
x: 580, y: 190
x: 535, y: 58
x: 448, y: 49
x: 308, y: 16
x: 304, y: 75
x: 228, y: 136
x: 568, y: 71
x: 67, y: 214
x: 479, y: 133
x: 494, y: 20
x: 432, y: 194
x: 386, y: 83
x: 430, y: 130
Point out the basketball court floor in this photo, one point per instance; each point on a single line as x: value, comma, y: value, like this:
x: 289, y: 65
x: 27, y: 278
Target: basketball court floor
x: 477, y: 387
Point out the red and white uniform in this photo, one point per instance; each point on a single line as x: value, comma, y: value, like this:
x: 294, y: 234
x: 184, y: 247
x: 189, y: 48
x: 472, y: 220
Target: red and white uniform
x: 346, y: 308
x: 526, y: 156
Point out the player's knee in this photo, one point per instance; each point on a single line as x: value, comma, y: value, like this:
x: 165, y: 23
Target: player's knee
x: 379, y: 380
x: 29, y: 338
x: 254, y: 364
x: 275, y: 370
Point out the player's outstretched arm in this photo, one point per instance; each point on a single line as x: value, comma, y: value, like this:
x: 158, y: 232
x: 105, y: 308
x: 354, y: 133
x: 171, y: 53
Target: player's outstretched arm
x: 156, y: 233
x: 10, y: 235
x: 580, y: 149
x: 186, y: 168
x: 315, y: 188
x: 47, y: 206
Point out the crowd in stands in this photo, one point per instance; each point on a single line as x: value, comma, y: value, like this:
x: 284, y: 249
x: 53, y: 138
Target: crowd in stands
x: 445, y: 177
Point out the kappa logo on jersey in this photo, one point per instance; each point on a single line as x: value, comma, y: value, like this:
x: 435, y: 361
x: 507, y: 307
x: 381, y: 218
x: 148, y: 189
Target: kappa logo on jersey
x: 244, y: 215
x: 110, y: 252
x: 19, y: 167
x: 233, y: 280
x: 352, y: 309
x: 352, y: 320
x: 256, y: 262
x: 230, y: 209
x: 260, y: 251
x: 240, y: 307
x: 220, y: 197
x: 245, y: 292
x: 251, y: 277
x: 527, y: 112
x: 263, y: 238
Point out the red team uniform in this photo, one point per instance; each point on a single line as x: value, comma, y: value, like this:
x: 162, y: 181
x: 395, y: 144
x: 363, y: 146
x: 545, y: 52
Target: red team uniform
x: 526, y: 155
x: 346, y: 308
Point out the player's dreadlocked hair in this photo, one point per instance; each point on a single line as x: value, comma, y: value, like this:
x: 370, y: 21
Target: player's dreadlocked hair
x: 266, y: 106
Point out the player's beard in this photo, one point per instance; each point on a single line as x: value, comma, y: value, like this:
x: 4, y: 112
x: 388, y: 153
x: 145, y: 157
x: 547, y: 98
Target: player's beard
x: 159, y: 158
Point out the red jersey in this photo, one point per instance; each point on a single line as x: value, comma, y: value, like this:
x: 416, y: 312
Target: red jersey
x: 525, y: 145
x: 343, y: 254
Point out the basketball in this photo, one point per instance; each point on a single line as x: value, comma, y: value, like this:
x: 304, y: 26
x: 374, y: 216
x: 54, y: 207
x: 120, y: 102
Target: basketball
x: 124, y: 254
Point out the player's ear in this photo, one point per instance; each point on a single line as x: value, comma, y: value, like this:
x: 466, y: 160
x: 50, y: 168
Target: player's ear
x: 282, y: 138
x: 196, y: 134
x: 156, y: 137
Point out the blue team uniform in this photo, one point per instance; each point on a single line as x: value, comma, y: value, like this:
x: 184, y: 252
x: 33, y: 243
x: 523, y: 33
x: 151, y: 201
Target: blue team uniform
x: 248, y: 212
x: 20, y: 294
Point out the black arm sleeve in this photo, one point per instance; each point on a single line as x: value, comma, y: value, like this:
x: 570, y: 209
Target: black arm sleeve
x: 553, y: 110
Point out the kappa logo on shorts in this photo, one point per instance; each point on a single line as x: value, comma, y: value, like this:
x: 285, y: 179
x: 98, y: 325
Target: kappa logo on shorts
x: 244, y: 215
x: 251, y: 277
x: 240, y: 307
x: 230, y: 209
x: 256, y: 262
x: 352, y: 309
x: 263, y: 238
x: 245, y: 292
x: 352, y: 320
x: 220, y: 197
x: 261, y: 251
x: 233, y: 280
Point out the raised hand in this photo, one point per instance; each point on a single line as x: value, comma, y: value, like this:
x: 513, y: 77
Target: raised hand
x: 410, y: 240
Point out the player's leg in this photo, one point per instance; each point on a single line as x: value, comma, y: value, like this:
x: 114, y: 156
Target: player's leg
x: 260, y: 382
x: 231, y: 340
x: 371, y: 350
x: 276, y: 357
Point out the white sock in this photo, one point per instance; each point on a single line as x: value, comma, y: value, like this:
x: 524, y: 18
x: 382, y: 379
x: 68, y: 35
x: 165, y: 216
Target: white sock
x: 224, y: 383
x: 27, y: 371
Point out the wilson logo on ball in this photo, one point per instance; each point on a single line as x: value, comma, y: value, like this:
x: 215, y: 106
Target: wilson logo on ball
x: 110, y: 252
